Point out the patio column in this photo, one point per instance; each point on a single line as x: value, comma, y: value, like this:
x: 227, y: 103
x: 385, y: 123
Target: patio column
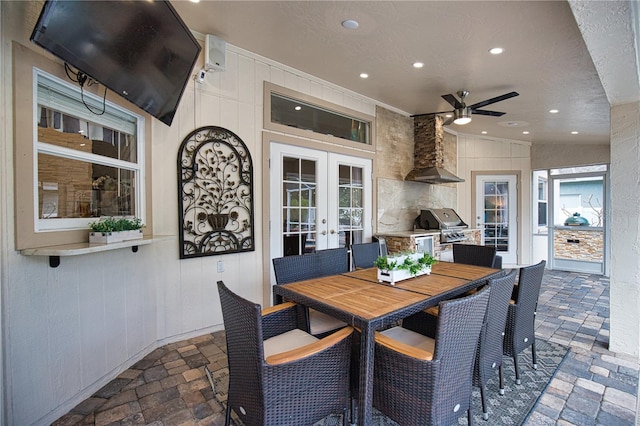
x: 625, y: 229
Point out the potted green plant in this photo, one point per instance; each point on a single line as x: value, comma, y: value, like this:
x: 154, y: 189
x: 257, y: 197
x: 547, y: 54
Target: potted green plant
x: 402, y: 266
x: 112, y: 230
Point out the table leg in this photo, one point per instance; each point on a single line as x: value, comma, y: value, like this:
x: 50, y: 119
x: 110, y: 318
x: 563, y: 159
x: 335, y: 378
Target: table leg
x: 365, y: 395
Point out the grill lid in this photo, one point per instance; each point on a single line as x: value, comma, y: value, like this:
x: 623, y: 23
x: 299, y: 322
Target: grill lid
x: 441, y: 219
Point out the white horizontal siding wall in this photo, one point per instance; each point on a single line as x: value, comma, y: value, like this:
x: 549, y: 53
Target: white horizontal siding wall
x: 478, y: 154
x: 68, y: 331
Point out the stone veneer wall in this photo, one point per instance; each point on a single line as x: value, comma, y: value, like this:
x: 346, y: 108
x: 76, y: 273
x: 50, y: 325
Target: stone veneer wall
x: 579, y: 244
x: 400, y: 201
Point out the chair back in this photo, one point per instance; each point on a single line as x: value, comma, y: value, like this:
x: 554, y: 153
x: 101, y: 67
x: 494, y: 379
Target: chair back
x: 245, y: 353
x: 414, y: 391
x: 459, y: 325
x: 322, y: 263
x: 529, y: 284
x: 332, y: 262
x: 365, y: 254
x: 471, y: 254
x: 489, y: 354
x: 302, y: 267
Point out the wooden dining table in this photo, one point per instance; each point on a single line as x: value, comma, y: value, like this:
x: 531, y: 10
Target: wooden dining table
x: 358, y: 299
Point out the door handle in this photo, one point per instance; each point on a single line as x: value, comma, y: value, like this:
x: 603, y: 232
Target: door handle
x: 324, y: 232
x: 332, y: 231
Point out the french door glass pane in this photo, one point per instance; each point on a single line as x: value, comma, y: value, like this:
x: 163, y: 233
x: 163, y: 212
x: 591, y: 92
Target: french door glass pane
x: 351, y: 202
x: 299, y: 205
x: 496, y: 215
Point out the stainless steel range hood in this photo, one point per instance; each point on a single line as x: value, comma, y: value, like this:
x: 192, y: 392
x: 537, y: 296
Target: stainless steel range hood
x: 434, y: 175
x: 430, y: 153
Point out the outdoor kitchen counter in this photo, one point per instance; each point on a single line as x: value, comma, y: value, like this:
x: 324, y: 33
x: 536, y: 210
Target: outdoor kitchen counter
x: 409, y: 234
x: 402, y: 241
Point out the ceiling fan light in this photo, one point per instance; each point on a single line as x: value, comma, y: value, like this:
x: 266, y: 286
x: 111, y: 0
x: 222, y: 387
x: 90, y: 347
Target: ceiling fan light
x: 463, y: 116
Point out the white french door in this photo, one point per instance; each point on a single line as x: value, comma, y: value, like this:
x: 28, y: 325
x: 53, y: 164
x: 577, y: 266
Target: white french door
x: 319, y: 200
x: 497, y: 214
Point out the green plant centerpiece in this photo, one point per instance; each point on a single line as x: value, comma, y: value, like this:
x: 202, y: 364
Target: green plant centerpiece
x: 115, y: 229
x: 402, y: 266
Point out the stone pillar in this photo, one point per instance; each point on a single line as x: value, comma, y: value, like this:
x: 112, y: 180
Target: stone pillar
x: 625, y: 229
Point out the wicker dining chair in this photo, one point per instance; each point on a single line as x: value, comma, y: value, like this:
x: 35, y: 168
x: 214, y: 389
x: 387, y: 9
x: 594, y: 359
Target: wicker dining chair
x: 365, y: 254
x: 305, y: 267
x: 278, y: 374
x: 489, y: 355
x: 423, y: 381
x: 520, y: 327
x: 471, y: 254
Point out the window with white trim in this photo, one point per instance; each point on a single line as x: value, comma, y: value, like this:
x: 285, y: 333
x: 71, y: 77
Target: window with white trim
x: 90, y: 157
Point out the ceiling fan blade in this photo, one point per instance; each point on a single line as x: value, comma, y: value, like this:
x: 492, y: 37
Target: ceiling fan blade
x: 452, y: 100
x: 494, y: 100
x: 431, y: 113
x: 486, y: 112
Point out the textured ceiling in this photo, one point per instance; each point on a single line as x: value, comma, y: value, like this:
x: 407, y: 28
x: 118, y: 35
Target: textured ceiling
x: 545, y: 57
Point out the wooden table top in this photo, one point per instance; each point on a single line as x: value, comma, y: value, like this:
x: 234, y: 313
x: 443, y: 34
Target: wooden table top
x: 444, y: 277
x: 360, y: 294
x: 358, y: 297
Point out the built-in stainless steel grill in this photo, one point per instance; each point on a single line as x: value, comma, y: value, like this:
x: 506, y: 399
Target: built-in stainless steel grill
x: 445, y: 220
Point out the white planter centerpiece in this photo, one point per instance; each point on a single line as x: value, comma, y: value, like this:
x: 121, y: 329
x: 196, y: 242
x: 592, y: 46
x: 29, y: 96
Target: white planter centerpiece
x: 403, y: 266
x: 115, y: 230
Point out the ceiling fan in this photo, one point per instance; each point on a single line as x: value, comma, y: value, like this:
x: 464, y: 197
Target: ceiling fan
x: 462, y: 112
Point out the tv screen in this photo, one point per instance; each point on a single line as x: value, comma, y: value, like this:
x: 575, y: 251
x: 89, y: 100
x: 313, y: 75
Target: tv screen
x: 141, y: 50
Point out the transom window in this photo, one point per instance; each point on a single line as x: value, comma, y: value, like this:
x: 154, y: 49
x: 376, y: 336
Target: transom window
x: 89, y: 159
x: 303, y: 115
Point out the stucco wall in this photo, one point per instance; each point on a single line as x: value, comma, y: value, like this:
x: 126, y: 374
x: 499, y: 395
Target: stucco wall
x: 550, y: 156
x: 625, y: 229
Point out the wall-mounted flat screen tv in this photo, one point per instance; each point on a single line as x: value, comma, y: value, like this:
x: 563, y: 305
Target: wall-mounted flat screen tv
x: 141, y: 50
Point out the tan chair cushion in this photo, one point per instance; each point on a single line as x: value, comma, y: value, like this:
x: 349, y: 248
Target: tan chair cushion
x: 410, y: 338
x: 321, y: 323
x: 284, y: 342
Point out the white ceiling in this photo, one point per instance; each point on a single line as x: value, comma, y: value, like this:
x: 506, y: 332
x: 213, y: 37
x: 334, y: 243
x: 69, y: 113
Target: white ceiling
x: 545, y: 57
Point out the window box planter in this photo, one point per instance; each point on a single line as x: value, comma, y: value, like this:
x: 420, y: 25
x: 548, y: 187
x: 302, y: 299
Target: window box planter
x: 114, y: 236
x: 404, y: 266
x: 111, y: 230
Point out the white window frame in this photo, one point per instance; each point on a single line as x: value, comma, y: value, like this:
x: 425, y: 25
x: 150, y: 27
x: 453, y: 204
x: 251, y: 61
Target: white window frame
x: 79, y: 110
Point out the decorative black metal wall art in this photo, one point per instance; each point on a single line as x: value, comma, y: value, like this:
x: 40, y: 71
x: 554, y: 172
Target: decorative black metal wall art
x: 215, y: 194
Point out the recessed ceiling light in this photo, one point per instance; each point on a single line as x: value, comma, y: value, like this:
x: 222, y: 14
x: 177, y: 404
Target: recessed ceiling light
x: 194, y: 1
x: 513, y: 123
x: 350, y: 24
x: 574, y: 133
x: 526, y: 132
x: 553, y: 111
x: 496, y: 50
x: 418, y: 64
x: 364, y: 75
x: 448, y: 115
x: 298, y: 108
x: 484, y: 132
